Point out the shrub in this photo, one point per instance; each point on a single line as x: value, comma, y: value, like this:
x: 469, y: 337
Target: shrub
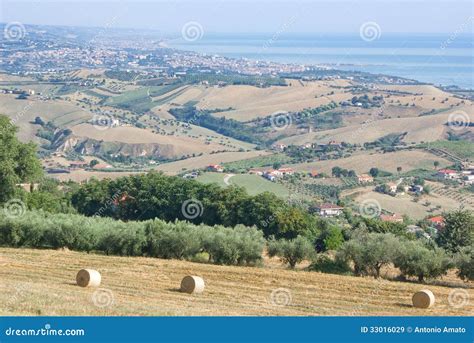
x: 291, y: 251
x: 415, y: 259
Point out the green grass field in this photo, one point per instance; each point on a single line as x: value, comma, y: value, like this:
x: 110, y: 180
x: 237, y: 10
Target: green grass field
x: 254, y: 184
x: 260, y: 161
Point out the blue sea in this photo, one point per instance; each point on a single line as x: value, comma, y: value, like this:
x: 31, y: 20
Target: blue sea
x: 441, y: 59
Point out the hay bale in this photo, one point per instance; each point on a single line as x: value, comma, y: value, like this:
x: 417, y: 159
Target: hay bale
x: 88, y: 278
x: 192, y: 284
x: 423, y: 299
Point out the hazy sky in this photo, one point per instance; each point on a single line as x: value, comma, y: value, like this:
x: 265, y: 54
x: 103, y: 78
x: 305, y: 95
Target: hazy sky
x: 338, y: 16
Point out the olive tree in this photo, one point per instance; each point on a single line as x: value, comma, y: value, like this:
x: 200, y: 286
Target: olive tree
x: 291, y: 251
x: 416, y: 259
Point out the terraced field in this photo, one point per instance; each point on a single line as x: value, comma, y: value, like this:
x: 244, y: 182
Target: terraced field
x: 464, y: 199
x: 42, y: 282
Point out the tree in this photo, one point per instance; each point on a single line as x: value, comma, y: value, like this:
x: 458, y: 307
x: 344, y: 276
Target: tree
x: 436, y: 164
x: 39, y: 121
x: 419, y: 181
x: 276, y: 165
x: 415, y: 259
x: 399, y: 170
x: 18, y: 161
x: 374, y: 172
x: 331, y: 238
x: 465, y: 263
x: 370, y: 252
x: 93, y: 163
x: 458, y: 231
x: 291, y: 251
x: 336, y: 171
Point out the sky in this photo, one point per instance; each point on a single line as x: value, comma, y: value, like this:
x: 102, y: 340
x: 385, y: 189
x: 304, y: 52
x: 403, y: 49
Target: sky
x: 247, y: 16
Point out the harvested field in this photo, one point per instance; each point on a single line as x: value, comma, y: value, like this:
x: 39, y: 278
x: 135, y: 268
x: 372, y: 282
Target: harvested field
x: 42, y: 282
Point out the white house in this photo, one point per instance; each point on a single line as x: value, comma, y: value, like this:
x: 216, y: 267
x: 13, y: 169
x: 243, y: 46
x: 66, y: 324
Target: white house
x: 328, y: 210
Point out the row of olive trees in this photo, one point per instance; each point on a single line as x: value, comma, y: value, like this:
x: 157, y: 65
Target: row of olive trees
x: 368, y: 253
x: 153, y: 238
x: 370, y: 245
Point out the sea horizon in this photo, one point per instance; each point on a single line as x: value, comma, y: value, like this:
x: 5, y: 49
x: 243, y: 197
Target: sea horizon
x: 442, y: 59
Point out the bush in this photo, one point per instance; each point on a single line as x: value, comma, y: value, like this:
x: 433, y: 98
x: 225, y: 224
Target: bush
x: 415, y: 259
x: 325, y: 264
x: 291, y: 251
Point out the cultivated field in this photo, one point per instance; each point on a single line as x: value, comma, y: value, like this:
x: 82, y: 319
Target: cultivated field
x: 249, y: 102
x: 172, y: 146
x: 362, y: 162
x: 42, y: 282
x: 419, y: 129
x: 23, y: 112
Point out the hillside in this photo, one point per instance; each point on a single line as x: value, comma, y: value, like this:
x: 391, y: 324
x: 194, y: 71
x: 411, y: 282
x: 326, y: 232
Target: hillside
x: 41, y: 282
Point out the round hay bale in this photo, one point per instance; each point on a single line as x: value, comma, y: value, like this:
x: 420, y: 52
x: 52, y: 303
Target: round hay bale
x: 423, y: 299
x: 192, y: 284
x: 88, y: 278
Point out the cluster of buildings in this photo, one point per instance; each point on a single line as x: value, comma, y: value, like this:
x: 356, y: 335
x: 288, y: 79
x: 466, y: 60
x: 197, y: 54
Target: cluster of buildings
x: 321, y: 146
x: 272, y: 174
x: 216, y: 63
x: 464, y: 176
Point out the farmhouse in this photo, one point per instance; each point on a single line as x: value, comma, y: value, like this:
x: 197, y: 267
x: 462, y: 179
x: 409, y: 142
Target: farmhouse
x: 280, y: 147
x: 437, y: 222
x: 468, y: 179
x: 417, y: 188
x: 392, y: 187
x: 255, y: 172
x: 328, y: 210
x: 365, y: 178
x: 286, y: 171
x: 272, y: 174
x: 393, y: 218
x: 215, y: 168
x: 448, y: 174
